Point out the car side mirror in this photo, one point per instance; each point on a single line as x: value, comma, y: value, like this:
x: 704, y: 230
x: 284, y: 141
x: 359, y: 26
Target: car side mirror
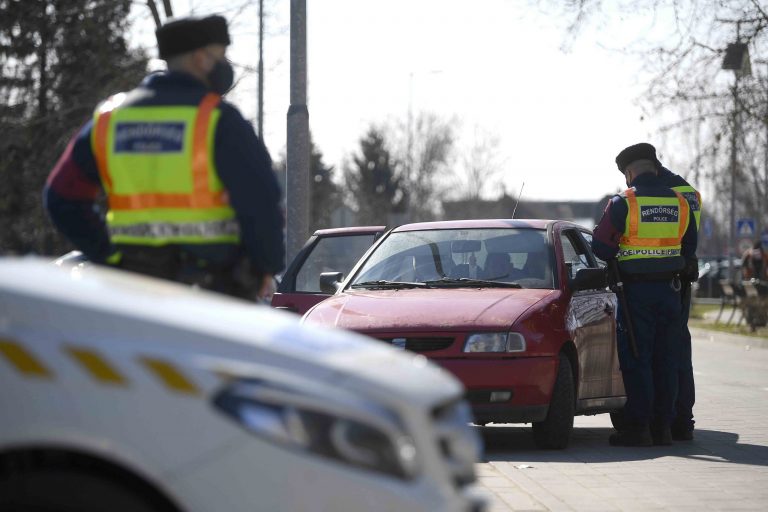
x: 589, y: 279
x: 330, y: 282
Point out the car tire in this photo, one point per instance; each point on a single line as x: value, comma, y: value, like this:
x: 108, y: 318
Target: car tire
x: 61, y: 490
x: 618, y: 420
x: 555, y: 431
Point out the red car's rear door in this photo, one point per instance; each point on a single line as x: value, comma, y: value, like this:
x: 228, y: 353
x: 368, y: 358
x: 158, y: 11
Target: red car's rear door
x: 327, y: 250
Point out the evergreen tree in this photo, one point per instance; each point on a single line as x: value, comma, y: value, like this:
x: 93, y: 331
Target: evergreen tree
x: 58, y: 59
x: 324, y: 193
x: 373, y: 182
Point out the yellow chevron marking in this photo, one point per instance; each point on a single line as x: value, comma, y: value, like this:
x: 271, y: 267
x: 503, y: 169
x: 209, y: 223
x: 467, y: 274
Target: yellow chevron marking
x: 97, y: 366
x: 170, y: 376
x: 23, y: 360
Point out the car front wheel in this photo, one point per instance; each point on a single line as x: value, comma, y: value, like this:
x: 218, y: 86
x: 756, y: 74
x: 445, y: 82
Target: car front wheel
x: 555, y: 431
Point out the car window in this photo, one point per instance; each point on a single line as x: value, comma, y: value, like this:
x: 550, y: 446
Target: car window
x: 575, y: 255
x: 588, y: 246
x: 499, y: 254
x: 331, y: 254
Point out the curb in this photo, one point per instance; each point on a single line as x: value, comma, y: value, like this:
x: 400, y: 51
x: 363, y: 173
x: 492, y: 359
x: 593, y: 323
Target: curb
x: 733, y: 339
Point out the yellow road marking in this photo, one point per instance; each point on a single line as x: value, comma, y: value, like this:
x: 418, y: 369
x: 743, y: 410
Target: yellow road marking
x: 23, y: 360
x: 170, y: 376
x: 97, y: 366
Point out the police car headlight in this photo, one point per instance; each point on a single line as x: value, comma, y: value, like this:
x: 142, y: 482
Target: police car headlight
x: 495, y: 342
x: 358, y: 434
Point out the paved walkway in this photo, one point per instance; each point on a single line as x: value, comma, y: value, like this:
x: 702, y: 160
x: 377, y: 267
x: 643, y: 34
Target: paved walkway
x: 724, y: 468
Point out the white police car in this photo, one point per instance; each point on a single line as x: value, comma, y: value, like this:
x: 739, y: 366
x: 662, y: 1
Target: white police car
x: 121, y: 392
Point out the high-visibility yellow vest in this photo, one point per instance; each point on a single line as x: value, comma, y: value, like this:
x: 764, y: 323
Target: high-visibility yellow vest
x: 654, y: 227
x: 694, y: 200
x: 157, y: 167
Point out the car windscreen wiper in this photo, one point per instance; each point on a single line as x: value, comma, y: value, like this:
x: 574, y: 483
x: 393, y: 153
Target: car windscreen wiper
x: 382, y: 283
x: 465, y: 282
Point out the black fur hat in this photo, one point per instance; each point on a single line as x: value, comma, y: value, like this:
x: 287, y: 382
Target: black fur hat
x: 182, y: 35
x: 642, y: 151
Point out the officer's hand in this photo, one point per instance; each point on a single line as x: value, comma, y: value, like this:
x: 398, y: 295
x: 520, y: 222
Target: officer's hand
x: 691, y: 271
x: 267, y: 288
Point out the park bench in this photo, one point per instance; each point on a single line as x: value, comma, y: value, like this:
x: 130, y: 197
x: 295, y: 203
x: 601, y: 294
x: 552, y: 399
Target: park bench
x: 729, y: 298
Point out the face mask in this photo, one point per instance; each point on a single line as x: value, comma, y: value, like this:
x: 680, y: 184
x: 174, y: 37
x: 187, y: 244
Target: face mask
x: 221, y: 77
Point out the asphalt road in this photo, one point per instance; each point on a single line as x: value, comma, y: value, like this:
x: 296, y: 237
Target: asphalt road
x: 724, y: 468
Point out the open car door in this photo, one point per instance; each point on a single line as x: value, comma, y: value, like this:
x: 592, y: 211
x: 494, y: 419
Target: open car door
x: 327, y: 250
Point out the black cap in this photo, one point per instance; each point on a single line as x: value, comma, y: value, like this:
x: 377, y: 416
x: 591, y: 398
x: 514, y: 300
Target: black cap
x: 182, y: 35
x: 642, y: 151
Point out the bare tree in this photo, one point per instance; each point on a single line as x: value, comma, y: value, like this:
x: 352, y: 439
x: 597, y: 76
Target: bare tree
x: 706, y: 108
x: 482, y: 164
x: 424, y: 152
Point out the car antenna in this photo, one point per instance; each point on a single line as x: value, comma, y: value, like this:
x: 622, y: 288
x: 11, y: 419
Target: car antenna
x: 518, y: 199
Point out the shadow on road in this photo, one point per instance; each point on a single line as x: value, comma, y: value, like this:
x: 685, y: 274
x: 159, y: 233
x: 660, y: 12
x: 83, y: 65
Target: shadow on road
x: 590, y: 445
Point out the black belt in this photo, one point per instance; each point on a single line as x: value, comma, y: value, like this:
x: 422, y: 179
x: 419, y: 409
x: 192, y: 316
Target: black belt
x: 174, y: 263
x: 649, y: 276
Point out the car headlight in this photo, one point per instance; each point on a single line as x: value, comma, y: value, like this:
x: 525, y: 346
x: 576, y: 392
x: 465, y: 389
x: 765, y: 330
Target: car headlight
x: 358, y: 434
x: 495, y: 342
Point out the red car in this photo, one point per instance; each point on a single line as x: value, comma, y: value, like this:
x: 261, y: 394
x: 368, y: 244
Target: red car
x: 518, y: 310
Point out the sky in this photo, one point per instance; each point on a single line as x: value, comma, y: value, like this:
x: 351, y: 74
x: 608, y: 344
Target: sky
x: 493, y: 67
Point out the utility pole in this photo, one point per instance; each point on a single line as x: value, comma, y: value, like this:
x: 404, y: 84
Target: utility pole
x: 261, y: 70
x: 764, y: 191
x: 297, y: 157
x: 734, y: 166
x: 155, y: 14
x: 736, y: 59
x: 168, y: 8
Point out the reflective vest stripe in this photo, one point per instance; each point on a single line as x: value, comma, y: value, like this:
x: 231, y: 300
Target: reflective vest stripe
x: 201, y: 196
x: 696, y: 209
x: 685, y: 210
x: 634, y: 223
x: 100, y: 138
x: 200, y: 151
x: 164, y: 230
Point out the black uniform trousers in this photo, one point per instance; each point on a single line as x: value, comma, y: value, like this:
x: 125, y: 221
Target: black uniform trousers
x: 686, y: 394
x: 651, y: 378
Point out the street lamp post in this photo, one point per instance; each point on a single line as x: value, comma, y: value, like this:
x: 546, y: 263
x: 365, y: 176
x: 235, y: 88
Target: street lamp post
x: 297, y: 154
x: 409, y: 128
x: 736, y: 59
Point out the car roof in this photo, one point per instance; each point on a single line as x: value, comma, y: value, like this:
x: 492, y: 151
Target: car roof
x: 480, y: 223
x: 350, y: 230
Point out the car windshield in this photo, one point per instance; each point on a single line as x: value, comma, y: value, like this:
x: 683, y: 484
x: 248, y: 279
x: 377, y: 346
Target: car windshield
x: 461, y: 258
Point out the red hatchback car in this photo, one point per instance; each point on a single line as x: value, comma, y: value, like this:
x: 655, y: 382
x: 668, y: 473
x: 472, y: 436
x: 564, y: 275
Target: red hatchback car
x: 518, y: 310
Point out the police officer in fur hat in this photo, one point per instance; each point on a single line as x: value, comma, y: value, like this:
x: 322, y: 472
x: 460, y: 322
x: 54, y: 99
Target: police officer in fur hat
x: 650, y: 230
x: 191, y: 195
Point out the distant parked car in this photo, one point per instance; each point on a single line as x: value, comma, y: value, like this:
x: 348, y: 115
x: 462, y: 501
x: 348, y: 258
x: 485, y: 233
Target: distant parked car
x: 518, y: 310
x: 711, y: 272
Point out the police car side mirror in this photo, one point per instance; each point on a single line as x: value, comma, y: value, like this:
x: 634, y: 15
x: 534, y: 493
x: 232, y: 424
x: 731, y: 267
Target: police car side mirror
x: 589, y: 279
x: 330, y: 282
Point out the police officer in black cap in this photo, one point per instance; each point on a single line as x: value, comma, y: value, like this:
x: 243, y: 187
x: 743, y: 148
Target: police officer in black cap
x: 190, y: 189
x: 682, y: 426
x: 649, y: 229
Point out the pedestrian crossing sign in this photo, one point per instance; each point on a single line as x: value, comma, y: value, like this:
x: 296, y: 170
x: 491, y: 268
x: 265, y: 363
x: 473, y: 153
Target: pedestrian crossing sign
x: 745, y: 227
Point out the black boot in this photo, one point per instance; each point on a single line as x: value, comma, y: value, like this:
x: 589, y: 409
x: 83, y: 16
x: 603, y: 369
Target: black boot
x: 661, y: 435
x: 681, y: 433
x: 632, y: 436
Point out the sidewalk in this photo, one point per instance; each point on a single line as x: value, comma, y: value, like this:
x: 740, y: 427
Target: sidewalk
x: 724, y: 468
